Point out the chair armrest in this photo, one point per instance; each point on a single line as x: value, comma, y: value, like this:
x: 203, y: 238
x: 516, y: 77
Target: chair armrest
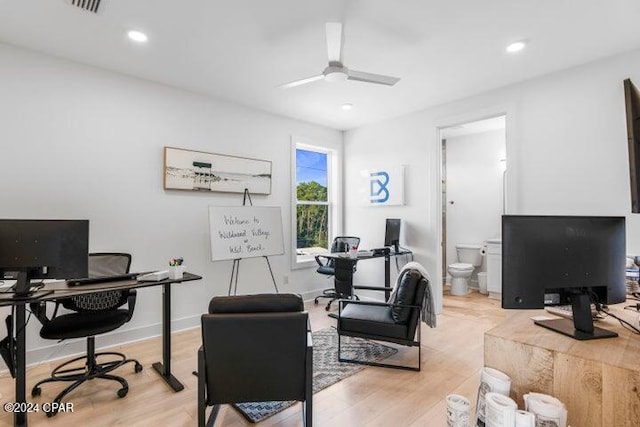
x: 375, y: 303
x: 200, y: 360
x: 374, y: 288
x: 317, y: 258
x: 131, y: 303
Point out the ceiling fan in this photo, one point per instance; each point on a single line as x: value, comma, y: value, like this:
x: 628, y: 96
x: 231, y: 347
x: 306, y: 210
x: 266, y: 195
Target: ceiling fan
x: 336, y: 71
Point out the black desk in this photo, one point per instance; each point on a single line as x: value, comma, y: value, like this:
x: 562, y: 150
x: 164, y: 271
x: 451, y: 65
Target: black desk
x: 343, y: 265
x: 57, y: 290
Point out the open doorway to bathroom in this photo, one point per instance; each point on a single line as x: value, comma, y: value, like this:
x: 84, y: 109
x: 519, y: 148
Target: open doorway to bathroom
x: 473, y: 174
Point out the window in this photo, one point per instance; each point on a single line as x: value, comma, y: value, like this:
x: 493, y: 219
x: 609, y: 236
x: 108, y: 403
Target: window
x: 314, y: 206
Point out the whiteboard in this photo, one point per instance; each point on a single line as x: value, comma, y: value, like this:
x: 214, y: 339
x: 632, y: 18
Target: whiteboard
x: 245, y: 232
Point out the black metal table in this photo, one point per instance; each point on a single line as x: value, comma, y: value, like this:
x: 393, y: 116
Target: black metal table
x: 57, y: 290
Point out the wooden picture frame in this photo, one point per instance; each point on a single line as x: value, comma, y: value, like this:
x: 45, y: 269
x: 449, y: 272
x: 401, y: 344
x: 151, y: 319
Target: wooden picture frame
x: 201, y: 171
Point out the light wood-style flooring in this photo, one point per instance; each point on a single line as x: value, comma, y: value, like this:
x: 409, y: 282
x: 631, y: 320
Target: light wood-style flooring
x: 452, y: 355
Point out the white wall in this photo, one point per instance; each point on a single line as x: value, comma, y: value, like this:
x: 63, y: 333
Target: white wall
x: 566, y: 145
x: 474, y: 185
x: 78, y: 142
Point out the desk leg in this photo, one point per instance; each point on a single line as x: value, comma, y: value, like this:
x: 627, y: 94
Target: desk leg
x: 20, y: 418
x: 164, y: 368
x: 387, y: 276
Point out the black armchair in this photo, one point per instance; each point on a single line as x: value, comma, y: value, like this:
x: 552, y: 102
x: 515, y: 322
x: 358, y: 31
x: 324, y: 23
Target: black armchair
x: 396, y: 321
x: 255, y: 348
x: 92, y: 314
x: 326, y: 266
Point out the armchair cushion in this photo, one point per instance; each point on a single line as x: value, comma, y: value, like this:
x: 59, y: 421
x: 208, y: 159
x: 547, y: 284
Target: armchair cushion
x: 405, y: 295
x: 371, y: 320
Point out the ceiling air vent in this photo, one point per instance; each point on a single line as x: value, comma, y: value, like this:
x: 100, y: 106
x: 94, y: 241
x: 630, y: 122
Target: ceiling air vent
x: 88, y: 5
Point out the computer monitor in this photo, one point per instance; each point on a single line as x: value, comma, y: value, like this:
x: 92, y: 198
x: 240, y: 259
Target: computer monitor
x: 392, y: 233
x: 564, y: 259
x: 43, y: 249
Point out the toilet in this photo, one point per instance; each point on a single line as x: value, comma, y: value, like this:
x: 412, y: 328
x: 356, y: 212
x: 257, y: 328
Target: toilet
x: 469, y: 257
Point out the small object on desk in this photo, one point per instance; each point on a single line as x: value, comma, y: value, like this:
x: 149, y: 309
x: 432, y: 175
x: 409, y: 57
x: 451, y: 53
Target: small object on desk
x: 353, y: 252
x: 176, y: 268
x: 154, y: 276
x: 176, y: 272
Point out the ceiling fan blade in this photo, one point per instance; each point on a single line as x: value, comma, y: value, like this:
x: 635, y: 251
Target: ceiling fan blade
x: 373, y: 78
x: 302, y: 81
x: 334, y: 41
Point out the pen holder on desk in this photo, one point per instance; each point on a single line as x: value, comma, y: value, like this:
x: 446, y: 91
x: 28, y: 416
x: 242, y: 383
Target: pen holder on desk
x: 353, y: 252
x: 176, y: 271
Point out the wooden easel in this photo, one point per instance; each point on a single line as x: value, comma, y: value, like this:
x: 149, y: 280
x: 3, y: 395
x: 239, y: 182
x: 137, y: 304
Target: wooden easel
x: 235, y: 269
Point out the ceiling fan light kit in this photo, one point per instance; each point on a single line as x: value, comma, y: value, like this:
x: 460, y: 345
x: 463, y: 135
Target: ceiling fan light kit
x: 335, y: 72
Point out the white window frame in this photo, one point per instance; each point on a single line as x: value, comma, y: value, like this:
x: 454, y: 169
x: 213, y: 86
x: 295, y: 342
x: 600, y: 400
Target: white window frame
x: 306, y: 261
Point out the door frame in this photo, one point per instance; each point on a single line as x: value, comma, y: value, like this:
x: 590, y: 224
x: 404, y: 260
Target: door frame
x: 511, y: 176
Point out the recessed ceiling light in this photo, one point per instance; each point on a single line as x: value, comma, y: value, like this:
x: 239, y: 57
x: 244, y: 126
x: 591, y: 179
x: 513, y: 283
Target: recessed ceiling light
x: 137, y: 36
x: 347, y: 107
x: 516, y: 47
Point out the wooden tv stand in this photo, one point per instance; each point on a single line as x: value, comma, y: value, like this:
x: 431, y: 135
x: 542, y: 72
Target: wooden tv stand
x: 598, y: 380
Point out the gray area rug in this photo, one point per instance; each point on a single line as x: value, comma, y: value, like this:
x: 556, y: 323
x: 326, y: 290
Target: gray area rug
x: 327, y: 370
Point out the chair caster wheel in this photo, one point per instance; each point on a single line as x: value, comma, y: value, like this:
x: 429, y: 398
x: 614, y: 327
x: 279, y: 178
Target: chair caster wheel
x: 328, y: 307
x: 36, y: 391
x: 315, y: 301
x: 137, y: 368
x: 123, y: 392
x: 51, y: 414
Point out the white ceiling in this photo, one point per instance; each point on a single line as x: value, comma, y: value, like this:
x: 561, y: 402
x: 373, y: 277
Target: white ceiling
x: 241, y: 50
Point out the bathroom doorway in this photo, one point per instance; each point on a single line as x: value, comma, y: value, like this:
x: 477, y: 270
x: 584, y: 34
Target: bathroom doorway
x: 473, y: 174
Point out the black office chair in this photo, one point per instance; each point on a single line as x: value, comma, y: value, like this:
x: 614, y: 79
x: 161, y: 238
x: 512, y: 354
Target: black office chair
x: 255, y: 348
x: 327, y: 267
x: 396, y: 321
x: 92, y: 314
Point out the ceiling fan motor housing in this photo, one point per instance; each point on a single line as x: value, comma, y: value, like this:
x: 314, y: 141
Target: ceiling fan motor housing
x: 336, y: 72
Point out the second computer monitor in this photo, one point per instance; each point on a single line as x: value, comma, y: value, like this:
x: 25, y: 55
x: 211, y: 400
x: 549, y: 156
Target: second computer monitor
x: 392, y: 233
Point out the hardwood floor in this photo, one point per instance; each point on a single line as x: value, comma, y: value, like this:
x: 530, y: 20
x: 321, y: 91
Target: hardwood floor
x: 452, y: 355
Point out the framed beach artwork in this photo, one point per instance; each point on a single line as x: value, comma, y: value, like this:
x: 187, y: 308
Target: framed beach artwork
x: 200, y: 171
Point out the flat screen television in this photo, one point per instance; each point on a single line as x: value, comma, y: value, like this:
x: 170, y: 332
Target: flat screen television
x: 392, y: 233
x: 43, y: 249
x: 560, y: 260
x: 632, y: 107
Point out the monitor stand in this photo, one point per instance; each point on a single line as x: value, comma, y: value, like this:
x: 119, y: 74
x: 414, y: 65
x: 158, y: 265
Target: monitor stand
x: 581, y: 327
x: 23, y: 284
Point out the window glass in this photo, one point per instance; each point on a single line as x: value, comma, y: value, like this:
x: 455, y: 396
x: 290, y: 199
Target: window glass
x: 312, y: 229
x: 313, y: 209
x: 311, y: 175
